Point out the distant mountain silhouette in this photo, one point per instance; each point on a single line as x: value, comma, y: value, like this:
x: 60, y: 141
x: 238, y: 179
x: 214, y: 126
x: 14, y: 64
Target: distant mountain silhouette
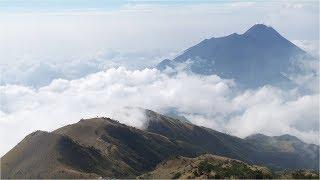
x: 102, y: 147
x: 259, y: 56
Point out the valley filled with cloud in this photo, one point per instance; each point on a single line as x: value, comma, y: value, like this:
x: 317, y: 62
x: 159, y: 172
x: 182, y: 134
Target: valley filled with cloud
x: 204, y: 100
x: 66, y: 65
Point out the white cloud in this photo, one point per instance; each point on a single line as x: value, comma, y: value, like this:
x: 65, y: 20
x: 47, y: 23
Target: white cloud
x: 307, y: 76
x: 36, y: 71
x: 310, y: 46
x: 38, y: 47
x: 272, y: 114
x: 206, y: 100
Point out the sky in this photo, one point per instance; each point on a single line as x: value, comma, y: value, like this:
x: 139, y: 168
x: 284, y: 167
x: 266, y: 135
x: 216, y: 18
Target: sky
x: 64, y: 60
x: 59, y: 37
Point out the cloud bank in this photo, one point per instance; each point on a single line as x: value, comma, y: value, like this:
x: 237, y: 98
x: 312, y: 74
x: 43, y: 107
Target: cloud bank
x: 205, y: 100
x: 40, y: 71
x: 56, y: 68
x: 45, y: 41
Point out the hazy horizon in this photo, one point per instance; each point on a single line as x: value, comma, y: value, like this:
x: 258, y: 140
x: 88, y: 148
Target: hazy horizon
x: 63, y: 61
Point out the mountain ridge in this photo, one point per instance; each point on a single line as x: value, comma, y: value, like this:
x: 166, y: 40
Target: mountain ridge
x: 110, y: 149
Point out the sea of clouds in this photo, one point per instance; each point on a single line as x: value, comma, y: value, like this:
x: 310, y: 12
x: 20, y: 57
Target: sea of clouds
x: 45, y: 95
x: 204, y: 100
x: 59, y: 67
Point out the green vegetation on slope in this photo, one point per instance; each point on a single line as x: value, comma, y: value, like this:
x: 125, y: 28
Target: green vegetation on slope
x: 207, y: 167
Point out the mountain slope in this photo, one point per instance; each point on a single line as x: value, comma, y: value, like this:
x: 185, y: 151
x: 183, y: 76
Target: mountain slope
x: 132, y: 147
x: 287, y: 144
x: 102, y: 147
x: 40, y: 155
x: 207, y: 139
x: 210, y: 166
x: 206, y: 167
x: 259, y: 56
x: 218, y: 143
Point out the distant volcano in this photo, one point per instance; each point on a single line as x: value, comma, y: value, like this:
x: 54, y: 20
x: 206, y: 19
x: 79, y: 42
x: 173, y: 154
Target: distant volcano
x: 259, y: 56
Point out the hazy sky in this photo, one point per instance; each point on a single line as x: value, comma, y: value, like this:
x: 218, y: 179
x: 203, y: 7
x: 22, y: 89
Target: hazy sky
x: 56, y: 59
x: 140, y: 25
x: 81, y: 37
